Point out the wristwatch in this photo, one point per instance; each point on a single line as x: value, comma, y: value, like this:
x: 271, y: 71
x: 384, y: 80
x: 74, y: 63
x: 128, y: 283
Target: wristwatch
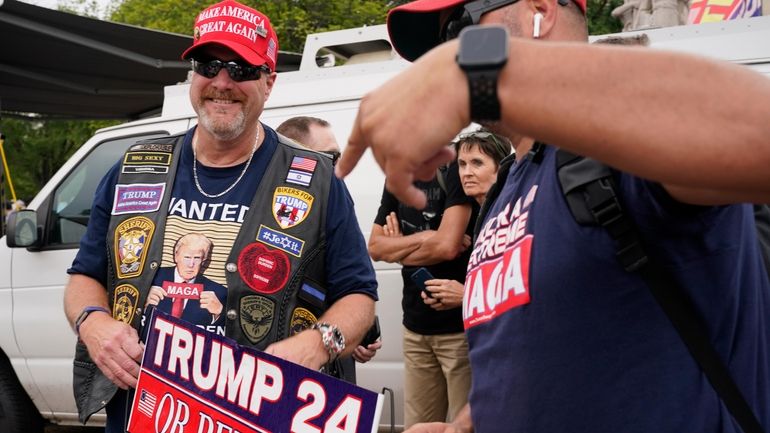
x: 483, y: 52
x: 332, y: 338
x: 84, y: 315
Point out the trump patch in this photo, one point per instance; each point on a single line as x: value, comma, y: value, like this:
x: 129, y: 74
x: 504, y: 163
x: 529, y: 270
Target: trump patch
x: 137, y: 198
x: 291, y: 206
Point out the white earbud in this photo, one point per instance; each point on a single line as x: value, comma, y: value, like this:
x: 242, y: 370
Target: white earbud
x: 536, y: 30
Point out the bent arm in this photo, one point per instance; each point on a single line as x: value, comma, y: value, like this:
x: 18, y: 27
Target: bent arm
x: 643, y: 111
x: 113, y: 345
x: 393, y: 249
x: 83, y: 291
x: 639, y: 110
x: 444, y: 244
x: 353, y: 314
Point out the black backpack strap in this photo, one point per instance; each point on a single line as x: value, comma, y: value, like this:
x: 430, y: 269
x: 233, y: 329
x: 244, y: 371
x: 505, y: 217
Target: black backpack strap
x: 591, y: 195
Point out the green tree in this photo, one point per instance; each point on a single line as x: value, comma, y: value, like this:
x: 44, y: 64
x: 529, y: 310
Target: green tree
x: 293, y: 20
x: 36, y: 149
x: 600, y: 21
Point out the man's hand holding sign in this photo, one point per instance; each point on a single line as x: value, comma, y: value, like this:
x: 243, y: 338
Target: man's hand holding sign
x: 196, y: 381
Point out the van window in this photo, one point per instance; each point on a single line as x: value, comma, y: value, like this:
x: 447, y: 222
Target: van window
x: 71, y: 204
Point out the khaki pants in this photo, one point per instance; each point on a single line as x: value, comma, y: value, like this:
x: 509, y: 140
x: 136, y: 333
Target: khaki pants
x: 437, y: 376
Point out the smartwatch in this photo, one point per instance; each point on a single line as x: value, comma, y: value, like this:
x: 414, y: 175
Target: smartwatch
x: 84, y: 315
x: 333, y: 340
x: 483, y: 52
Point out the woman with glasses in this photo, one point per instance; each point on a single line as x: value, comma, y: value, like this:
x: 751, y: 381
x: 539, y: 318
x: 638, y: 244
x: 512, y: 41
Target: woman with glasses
x: 479, y: 154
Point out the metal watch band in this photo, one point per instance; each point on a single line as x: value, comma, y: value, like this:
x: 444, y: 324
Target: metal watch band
x: 482, y: 86
x: 332, y: 339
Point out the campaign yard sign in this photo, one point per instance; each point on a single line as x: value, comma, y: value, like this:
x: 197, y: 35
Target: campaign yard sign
x: 194, y: 381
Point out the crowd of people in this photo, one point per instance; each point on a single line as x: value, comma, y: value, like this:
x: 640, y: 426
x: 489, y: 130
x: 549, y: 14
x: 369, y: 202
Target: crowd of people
x: 517, y: 313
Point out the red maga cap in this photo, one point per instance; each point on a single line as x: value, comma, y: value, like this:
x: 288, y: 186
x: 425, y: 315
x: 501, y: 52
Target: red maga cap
x: 244, y: 30
x: 415, y: 27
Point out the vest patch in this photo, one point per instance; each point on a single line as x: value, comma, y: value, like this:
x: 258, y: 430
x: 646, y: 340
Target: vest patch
x: 124, y: 303
x: 143, y: 159
x: 152, y: 147
x: 301, y: 171
x: 301, y: 319
x: 291, y: 206
x: 280, y: 240
x: 312, y: 295
x: 132, y: 240
x: 137, y: 198
x: 263, y: 269
x: 257, y: 313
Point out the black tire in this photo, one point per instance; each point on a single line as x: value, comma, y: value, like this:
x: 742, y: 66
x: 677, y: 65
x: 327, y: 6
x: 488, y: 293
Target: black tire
x: 17, y: 412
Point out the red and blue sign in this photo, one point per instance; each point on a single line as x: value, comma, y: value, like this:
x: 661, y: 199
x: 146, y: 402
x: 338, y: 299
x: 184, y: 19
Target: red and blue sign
x: 196, y: 381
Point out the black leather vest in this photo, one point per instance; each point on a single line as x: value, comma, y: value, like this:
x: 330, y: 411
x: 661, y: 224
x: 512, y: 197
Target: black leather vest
x: 275, y: 270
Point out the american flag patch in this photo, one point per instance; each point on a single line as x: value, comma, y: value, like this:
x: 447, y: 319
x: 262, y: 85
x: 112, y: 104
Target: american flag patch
x: 146, y: 403
x: 300, y: 163
x: 271, y: 48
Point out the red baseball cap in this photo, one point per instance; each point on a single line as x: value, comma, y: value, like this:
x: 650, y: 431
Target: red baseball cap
x: 415, y: 27
x: 240, y: 28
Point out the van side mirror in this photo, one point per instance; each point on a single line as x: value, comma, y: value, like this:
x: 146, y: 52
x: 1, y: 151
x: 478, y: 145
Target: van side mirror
x: 22, y: 230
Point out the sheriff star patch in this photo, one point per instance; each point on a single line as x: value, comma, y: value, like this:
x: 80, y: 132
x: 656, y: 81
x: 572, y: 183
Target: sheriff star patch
x: 132, y: 240
x: 291, y: 206
x: 124, y: 303
x: 257, y: 313
x: 301, y: 319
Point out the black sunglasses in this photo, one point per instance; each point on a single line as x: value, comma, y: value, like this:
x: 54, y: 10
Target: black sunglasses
x: 503, y: 149
x: 470, y: 14
x: 237, y: 71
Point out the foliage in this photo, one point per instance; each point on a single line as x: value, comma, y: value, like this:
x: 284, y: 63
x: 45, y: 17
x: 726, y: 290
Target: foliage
x: 88, y: 8
x: 600, y: 21
x: 36, y: 149
x: 293, y: 20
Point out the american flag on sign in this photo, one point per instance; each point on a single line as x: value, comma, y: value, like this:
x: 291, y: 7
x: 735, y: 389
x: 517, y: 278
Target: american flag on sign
x: 305, y: 164
x: 146, y: 403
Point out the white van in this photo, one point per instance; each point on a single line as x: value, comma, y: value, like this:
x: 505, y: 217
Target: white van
x: 36, y: 343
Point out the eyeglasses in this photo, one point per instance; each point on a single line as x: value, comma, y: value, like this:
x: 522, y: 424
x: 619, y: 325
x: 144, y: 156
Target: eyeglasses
x: 470, y: 14
x: 237, y: 71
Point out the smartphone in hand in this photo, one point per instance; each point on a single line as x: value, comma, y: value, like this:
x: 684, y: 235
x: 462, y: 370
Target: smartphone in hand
x: 372, y: 334
x: 420, y: 276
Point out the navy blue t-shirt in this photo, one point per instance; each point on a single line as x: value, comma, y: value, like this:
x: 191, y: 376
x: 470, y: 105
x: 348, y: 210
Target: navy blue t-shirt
x: 348, y: 267
x: 562, y: 339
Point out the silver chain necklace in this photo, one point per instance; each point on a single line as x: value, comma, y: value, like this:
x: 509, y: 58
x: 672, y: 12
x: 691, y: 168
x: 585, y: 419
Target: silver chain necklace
x: 243, y: 172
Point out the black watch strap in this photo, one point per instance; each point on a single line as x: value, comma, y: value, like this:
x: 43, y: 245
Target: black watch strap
x: 482, y: 86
